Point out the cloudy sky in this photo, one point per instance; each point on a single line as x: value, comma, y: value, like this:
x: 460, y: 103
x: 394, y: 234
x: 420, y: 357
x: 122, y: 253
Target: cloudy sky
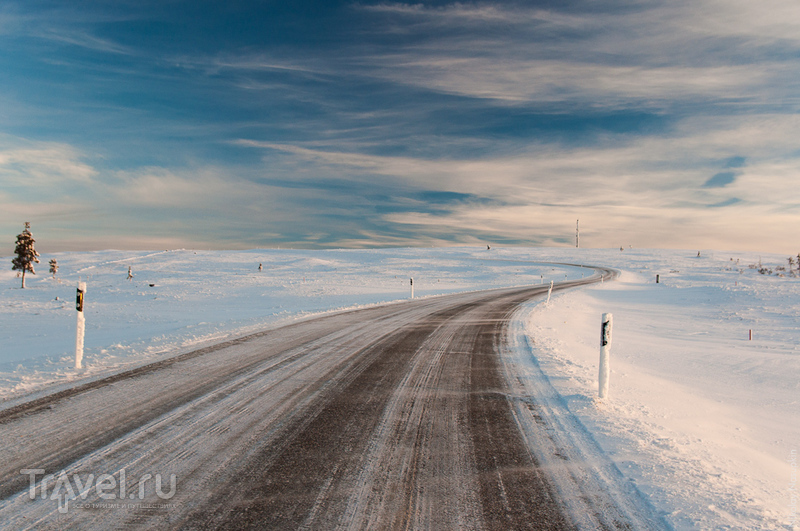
x: 204, y: 124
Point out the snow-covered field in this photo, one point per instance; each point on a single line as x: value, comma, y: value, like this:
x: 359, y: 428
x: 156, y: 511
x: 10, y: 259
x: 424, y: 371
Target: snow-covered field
x: 181, y: 299
x: 701, y: 419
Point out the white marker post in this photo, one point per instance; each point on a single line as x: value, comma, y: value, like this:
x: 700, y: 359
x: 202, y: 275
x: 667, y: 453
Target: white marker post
x: 549, y: 291
x: 412, y: 288
x: 81, y: 326
x: 605, y: 347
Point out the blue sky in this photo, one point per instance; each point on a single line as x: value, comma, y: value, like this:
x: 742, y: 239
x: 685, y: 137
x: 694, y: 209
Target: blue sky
x: 149, y: 125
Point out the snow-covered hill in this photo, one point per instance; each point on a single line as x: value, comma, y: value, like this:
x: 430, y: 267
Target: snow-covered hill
x: 704, y: 421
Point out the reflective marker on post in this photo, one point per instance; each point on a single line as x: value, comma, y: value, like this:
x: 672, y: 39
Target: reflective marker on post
x: 605, y: 347
x: 81, y: 325
x: 79, y: 298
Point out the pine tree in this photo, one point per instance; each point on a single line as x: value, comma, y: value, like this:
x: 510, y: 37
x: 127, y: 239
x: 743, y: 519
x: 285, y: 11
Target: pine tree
x: 26, y: 254
x: 53, y: 267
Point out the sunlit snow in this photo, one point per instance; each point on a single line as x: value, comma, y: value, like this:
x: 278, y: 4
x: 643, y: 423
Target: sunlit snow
x: 701, y: 419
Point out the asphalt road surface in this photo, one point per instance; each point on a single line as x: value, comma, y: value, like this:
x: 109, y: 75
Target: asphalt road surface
x: 390, y: 417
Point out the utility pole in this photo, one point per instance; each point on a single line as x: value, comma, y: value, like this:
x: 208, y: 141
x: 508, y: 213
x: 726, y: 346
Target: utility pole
x: 577, y: 233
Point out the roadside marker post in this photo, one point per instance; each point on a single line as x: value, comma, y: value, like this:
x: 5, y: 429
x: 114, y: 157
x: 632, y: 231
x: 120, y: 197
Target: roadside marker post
x: 605, y: 347
x: 81, y: 325
x: 412, y: 288
x: 549, y: 291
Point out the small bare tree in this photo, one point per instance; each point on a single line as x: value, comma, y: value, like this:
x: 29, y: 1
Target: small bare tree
x: 26, y: 254
x: 53, y: 267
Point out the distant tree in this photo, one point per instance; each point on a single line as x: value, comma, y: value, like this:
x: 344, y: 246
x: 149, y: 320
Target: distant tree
x: 53, y: 267
x: 26, y: 254
x: 130, y: 273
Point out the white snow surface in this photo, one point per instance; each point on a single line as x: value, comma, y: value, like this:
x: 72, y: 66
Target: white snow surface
x: 701, y: 420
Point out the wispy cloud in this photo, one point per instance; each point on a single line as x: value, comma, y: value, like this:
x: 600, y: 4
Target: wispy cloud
x: 592, y: 85
x: 485, y: 13
x: 196, y: 188
x: 543, y: 172
x: 651, y: 55
x: 83, y: 39
x: 399, y: 123
x: 768, y: 20
x: 660, y: 182
x: 40, y: 167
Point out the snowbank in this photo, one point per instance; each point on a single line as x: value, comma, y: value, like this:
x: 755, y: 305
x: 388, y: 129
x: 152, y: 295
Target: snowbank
x: 703, y: 420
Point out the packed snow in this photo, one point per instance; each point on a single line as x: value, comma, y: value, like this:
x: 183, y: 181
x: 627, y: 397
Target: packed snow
x: 701, y: 419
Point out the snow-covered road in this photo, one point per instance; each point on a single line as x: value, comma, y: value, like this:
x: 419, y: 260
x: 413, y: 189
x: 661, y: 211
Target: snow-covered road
x: 385, y: 417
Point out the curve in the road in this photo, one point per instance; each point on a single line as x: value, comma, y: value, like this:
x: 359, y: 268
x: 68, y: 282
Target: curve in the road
x: 390, y: 417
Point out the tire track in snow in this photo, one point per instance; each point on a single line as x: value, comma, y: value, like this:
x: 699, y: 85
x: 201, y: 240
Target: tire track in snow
x: 95, y: 414
x: 390, y: 417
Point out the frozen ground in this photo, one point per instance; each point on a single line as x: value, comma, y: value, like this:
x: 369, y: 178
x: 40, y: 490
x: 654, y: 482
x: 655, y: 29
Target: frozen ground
x: 703, y: 421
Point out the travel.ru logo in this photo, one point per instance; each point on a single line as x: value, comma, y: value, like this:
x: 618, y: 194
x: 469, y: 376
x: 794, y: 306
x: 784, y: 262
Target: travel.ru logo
x: 65, y: 488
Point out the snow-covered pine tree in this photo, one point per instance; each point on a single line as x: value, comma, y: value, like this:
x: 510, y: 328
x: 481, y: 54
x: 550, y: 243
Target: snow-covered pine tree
x: 53, y: 267
x: 26, y: 254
